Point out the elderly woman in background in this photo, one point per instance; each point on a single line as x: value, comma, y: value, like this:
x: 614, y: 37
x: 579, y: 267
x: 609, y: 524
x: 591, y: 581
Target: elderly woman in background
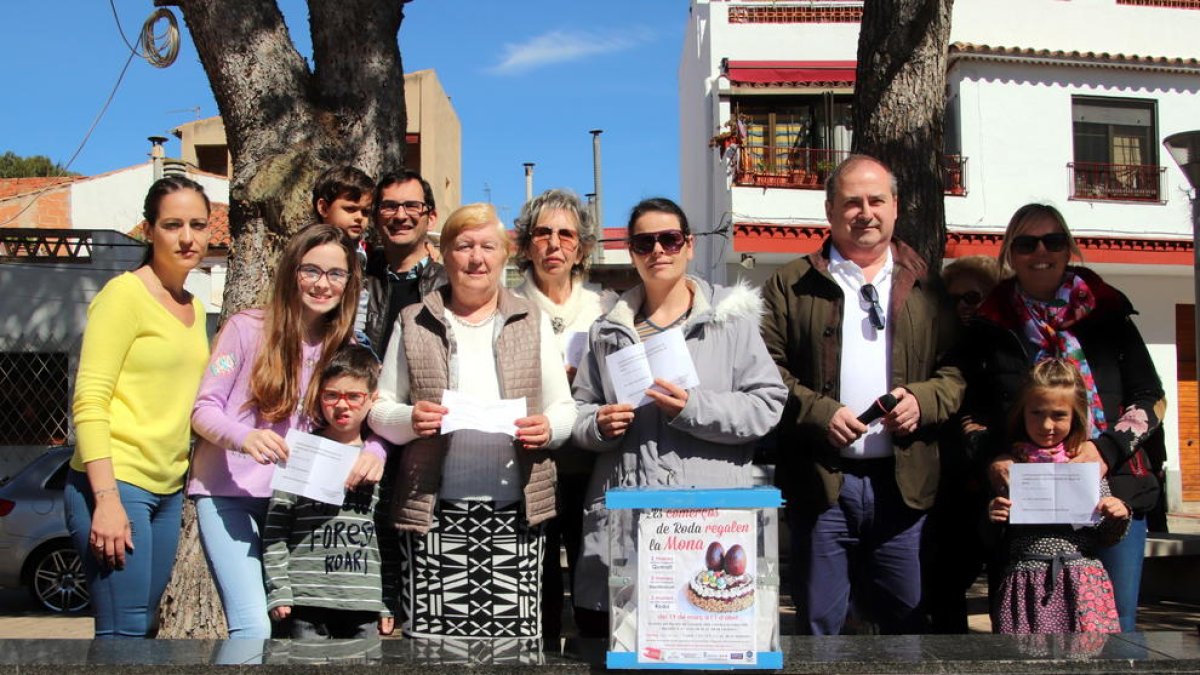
x: 698, y: 437
x: 555, y: 236
x: 957, y: 553
x: 968, y: 280
x: 471, y: 503
x: 1054, y: 309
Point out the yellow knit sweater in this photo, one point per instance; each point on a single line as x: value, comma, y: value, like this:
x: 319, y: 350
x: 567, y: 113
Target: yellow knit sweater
x: 139, y: 371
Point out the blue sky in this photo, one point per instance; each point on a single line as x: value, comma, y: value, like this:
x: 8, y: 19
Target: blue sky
x: 528, y: 79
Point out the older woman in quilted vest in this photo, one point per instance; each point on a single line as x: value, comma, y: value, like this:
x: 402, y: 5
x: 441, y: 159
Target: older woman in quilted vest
x: 470, y: 504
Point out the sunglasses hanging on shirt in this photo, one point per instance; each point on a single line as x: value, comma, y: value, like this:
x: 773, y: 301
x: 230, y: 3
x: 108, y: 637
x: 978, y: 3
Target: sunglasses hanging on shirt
x: 871, y: 295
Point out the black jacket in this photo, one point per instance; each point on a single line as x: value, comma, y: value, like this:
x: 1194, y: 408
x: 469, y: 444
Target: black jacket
x: 995, y: 356
x: 382, y: 308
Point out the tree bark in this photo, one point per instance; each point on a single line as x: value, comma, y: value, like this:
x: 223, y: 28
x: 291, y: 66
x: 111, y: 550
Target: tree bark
x: 899, y: 109
x: 284, y: 124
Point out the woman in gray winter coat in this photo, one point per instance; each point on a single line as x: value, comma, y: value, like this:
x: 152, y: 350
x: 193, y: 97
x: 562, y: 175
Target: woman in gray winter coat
x: 699, y: 437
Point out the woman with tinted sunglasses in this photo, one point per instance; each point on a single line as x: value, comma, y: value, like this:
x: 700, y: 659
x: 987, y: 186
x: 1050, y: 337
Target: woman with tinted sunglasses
x: 555, y: 237
x: 1053, y: 309
x: 699, y: 437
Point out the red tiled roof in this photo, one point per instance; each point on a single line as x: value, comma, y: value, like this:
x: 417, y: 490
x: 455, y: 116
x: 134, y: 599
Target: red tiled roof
x: 218, y: 224
x: 1065, y: 57
x: 12, y: 187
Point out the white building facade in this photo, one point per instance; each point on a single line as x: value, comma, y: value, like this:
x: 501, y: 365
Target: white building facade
x: 1057, y: 101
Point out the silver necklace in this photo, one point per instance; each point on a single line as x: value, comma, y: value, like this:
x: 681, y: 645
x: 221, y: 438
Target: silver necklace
x: 473, y: 324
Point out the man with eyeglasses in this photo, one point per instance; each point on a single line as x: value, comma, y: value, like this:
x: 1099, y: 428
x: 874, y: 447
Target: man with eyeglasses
x: 401, y: 271
x: 847, y: 324
x: 397, y: 275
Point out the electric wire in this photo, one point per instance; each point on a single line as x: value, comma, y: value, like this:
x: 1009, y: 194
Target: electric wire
x: 159, y: 57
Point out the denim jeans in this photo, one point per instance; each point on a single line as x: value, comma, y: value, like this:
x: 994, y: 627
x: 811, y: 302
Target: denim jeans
x: 1123, y: 562
x: 866, y: 547
x: 231, y: 533
x: 126, y: 600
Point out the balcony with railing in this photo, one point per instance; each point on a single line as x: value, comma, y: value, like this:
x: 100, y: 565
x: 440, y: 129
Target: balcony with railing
x: 773, y: 166
x: 807, y: 168
x: 954, y: 168
x: 828, y: 11
x: 1116, y: 182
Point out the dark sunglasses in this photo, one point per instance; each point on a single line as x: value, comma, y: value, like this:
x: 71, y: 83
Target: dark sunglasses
x: 970, y: 297
x: 672, y: 241
x: 875, y: 312
x: 1055, y: 242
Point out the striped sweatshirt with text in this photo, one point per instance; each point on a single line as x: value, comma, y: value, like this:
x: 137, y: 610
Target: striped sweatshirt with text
x: 321, y: 555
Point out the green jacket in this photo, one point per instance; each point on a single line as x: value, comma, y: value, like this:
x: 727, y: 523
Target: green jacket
x: 802, y: 330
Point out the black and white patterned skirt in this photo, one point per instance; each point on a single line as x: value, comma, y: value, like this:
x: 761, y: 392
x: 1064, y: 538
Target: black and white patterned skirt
x: 475, y: 574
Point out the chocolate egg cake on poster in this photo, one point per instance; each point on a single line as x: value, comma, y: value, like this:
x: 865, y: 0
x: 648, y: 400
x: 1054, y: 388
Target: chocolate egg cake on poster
x: 696, y: 586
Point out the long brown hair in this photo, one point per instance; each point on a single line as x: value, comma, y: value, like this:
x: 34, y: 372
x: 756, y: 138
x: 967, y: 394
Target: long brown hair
x: 1053, y: 373
x: 275, y: 379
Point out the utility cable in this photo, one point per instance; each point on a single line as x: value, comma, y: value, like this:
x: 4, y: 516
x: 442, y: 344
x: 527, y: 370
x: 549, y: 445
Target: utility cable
x: 161, y: 50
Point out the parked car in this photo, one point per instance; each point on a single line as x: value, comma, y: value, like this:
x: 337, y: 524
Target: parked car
x: 35, y: 549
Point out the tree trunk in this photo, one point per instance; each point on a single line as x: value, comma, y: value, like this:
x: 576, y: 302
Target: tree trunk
x: 190, y: 608
x: 899, y: 107
x: 284, y: 124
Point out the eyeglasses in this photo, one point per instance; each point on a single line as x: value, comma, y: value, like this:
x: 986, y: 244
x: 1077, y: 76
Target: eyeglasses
x: 413, y: 208
x: 566, y: 238
x: 312, y: 274
x: 874, y: 312
x: 1055, y: 242
x: 353, y: 399
x: 672, y: 242
x: 971, y: 298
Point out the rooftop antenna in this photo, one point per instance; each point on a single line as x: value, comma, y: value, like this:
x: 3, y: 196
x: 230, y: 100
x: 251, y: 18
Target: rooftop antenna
x: 195, y: 110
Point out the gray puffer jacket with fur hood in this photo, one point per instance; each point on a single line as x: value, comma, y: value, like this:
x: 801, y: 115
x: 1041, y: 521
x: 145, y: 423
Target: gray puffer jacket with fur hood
x: 709, y: 444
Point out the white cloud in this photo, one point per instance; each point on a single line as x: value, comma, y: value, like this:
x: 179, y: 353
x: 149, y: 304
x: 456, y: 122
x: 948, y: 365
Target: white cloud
x: 559, y: 46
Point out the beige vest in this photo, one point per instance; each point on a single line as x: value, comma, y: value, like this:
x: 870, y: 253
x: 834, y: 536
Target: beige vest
x: 428, y: 346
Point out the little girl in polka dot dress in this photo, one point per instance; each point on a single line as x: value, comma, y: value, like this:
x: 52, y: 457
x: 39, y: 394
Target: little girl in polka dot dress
x: 1054, y: 583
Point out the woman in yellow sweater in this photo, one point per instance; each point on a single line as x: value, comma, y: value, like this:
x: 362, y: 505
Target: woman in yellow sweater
x: 144, y: 349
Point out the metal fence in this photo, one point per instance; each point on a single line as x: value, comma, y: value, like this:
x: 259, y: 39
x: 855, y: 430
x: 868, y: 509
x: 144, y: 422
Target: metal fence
x: 35, y: 398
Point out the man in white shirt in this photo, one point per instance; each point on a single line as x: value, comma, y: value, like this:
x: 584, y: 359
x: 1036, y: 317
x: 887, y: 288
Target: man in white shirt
x: 846, y: 325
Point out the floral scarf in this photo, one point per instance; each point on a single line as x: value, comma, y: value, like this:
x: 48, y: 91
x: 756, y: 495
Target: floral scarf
x: 1032, y: 453
x: 1046, y: 326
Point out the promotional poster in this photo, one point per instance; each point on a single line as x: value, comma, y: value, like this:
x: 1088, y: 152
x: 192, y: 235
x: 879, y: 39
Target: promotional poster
x: 696, y: 586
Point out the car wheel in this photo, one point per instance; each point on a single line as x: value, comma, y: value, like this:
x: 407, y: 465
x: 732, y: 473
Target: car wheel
x: 56, y: 578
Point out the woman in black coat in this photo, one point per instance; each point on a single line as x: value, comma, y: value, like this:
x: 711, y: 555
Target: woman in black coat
x: 1050, y: 308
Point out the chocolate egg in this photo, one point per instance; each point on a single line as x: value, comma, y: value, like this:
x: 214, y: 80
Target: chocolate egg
x: 715, y: 558
x: 735, y: 561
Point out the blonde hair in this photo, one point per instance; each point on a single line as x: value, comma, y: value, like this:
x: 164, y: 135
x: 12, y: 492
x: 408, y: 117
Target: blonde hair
x: 1053, y: 373
x: 275, y: 378
x: 472, y: 217
x: 1022, y: 220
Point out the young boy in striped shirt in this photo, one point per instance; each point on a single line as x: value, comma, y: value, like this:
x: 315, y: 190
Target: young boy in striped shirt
x: 321, y: 562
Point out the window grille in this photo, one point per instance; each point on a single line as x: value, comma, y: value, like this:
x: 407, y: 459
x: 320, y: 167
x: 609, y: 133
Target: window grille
x: 1173, y: 4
